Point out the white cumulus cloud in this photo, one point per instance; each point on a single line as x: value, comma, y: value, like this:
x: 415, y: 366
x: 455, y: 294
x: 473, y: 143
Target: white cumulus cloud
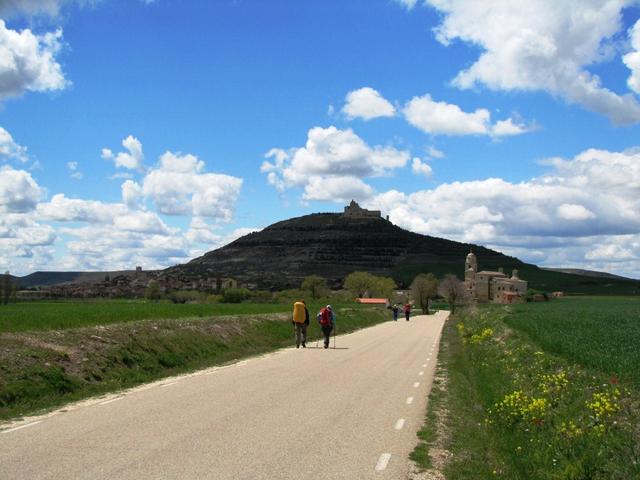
x: 571, y: 211
x: 336, y: 189
x: 28, y: 63
x: 132, y: 194
x: 543, y: 45
x: 19, y: 192
x: 632, y: 59
x: 442, y: 118
x: 10, y: 149
x: 63, y: 209
x: 367, y: 103
x: 420, y: 168
x: 178, y: 186
x: 331, y: 156
x: 131, y: 159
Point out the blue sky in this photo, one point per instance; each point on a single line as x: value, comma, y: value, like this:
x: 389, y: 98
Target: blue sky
x: 149, y: 132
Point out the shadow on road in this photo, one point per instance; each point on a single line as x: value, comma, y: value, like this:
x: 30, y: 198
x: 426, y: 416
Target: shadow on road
x: 330, y: 348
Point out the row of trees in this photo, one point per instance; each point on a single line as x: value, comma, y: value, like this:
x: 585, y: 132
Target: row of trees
x: 424, y: 289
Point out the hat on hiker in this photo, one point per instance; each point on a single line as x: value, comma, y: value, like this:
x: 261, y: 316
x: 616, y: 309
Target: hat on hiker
x: 329, y: 307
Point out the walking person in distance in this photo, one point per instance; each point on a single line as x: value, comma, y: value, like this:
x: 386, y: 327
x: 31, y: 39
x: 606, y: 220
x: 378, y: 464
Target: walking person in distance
x: 300, y: 322
x: 395, y: 309
x: 327, y: 321
x: 407, y: 311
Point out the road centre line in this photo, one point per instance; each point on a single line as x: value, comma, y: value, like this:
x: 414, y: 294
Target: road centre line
x: 416, y: 384
x: 382, y: 462
x: 21, y: 426
x: 424, y: 365
x: 399, y: 424
x: 409, y: 400
x: 420, y: 373
x: 110, y: 401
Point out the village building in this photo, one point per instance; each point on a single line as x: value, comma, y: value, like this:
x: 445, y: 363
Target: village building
x: 490, y: 286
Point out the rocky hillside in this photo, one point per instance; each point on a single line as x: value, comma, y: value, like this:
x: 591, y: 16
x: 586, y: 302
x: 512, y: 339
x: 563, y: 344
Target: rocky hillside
x: 332, y: 246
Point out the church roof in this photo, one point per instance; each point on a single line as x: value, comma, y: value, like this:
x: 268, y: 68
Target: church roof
x: 492, y: 274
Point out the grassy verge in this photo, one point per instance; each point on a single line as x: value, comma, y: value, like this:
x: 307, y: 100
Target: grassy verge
x: 44, y: 369
x: 517, y: 409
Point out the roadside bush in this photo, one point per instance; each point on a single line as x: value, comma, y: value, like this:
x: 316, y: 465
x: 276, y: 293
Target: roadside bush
x: 342, y: 296
x: 184, y: 296
x: 213, y: 298
x: 290, y: 296
x: 235, y: 295
x: 261, y: 296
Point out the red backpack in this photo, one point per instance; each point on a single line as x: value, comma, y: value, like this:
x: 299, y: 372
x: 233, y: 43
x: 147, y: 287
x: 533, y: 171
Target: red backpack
x: 325, y: 317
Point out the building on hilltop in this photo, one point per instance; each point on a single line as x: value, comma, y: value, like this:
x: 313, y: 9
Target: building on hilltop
x: 488, y: 286
x: 354, y: 210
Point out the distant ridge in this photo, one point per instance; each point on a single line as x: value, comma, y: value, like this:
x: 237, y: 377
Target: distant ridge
x: 47, y: 279
x: 587, y: 273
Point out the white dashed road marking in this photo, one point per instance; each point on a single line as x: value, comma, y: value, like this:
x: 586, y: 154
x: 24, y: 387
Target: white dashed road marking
x: 382, y: 462
x: 110, y: 401
x: 400, y: 424
x: 168, y: 384
x: 416, y: 384
x: 420, y: 373
x: 409, y: 400
x: 21, y: 427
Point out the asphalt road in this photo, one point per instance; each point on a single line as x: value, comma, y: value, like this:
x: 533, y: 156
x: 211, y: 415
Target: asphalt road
x: 345, y: 413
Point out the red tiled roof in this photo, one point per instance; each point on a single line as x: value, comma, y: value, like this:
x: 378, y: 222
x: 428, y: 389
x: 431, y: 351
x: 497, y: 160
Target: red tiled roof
x: 373, y: 300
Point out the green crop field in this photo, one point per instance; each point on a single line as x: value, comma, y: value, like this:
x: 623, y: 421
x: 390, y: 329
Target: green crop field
x: 540, y: 390
x: 602, y: 333
x: 20, y: 317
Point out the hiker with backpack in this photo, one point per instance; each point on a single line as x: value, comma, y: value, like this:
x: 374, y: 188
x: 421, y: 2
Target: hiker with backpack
x: 395, y: 309
x: 300, y: 320
x: 327, y: 320
x: 407, y: 311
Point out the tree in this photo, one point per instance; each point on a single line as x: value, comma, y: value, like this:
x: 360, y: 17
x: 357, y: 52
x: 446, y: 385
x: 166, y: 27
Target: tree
x: 315, y: 285
x: 384, y: 287
x: 364, y: 284
x: 15, y: 286
x: 423, y: 288
x: 153, y: 291
x: 453, y: 291
x: 5, y: 288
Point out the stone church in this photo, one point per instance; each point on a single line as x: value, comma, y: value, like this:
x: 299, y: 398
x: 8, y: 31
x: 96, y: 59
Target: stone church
x: 488, y: 286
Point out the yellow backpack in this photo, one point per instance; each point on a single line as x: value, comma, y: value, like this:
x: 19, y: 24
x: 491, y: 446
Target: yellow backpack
x: 298, y: 312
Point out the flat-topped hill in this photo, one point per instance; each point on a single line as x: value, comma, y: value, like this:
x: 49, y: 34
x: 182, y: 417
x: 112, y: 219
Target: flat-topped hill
x: 332, y: 246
